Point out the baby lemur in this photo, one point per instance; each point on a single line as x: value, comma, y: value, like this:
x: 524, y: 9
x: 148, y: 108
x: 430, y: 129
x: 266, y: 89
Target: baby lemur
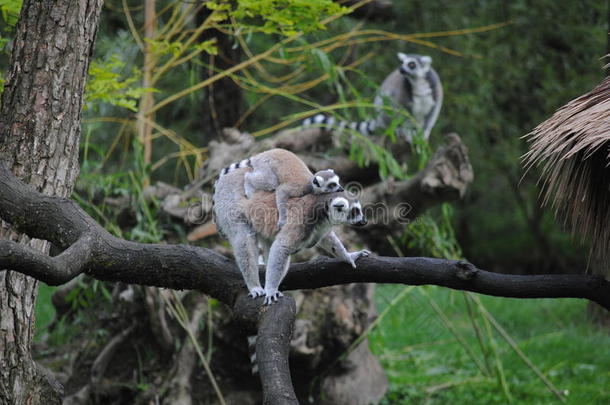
x: 285, y: 173
x: 244, y: 222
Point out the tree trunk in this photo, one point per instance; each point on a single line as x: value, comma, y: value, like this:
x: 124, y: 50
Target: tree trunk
x: 145, y: 128
x: 39, y: 140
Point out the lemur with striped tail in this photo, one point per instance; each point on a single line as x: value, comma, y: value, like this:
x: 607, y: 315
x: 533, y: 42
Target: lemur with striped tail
x: 414, y: 86
x: 248, y: 222
x: 285, y: 173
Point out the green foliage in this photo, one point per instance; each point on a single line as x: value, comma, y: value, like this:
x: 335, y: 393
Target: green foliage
x: 107, y: 84
x: 10, y: 11
x: 428, y: 236
x: 286, y: 17
x: 87, y: 294
x: 364, y: 150
x: 176, y: 48
x: 425, y: 363
x: 94, y: 187
x: 63, y: 331
x: 45, y: 311
x: 507, y: 82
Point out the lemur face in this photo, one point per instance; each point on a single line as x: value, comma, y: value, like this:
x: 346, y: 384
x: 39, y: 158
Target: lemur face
x: 345, y: 211
x: 326, y: 181
x: 414, y: 65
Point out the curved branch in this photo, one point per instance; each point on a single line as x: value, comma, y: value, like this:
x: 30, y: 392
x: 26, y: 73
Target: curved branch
x: 458, y: 275
x: 187, y: 267
x: 52, y: 270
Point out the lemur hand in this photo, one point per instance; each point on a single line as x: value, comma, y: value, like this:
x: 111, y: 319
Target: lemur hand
x: 256, y: 292
x: 271, y: 297
x: 353, y: 256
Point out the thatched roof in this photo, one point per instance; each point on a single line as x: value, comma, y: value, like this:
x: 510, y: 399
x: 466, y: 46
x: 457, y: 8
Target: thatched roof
x: 573, y: 150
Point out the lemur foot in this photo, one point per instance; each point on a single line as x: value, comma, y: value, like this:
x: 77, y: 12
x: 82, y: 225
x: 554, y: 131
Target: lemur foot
x: 256, y: 292
x: 270, y: 298
x: 353, y: 256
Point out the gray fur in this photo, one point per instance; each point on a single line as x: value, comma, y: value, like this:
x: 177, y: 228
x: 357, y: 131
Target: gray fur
x: 282, y: 171
x: 310, y: 221
x: 418, y: 91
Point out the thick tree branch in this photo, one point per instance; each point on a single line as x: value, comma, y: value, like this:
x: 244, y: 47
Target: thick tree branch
x: 187, y: 267
x: 52, y: 270
x: 458, y: 275
x: 274, y: 325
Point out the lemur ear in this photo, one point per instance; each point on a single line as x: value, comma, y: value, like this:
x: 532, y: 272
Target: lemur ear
x: 402, y: 56
x: 426, y: 61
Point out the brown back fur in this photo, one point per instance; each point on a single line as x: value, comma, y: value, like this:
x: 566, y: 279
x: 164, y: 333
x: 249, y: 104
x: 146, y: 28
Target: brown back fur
x: 287, y: 166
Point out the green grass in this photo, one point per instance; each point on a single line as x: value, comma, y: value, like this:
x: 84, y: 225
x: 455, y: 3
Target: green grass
x: 426, y: 363
x: 45, y: 312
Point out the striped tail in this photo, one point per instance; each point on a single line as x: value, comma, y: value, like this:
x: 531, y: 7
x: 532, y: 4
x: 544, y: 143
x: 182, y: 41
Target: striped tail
x: 252, y: 353
x: 328, y: 122
x: 235, y: 166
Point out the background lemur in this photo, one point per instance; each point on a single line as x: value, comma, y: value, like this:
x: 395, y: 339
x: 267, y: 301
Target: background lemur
x: 310, y: 218
x: 414, y: 86
x: 285, y: 173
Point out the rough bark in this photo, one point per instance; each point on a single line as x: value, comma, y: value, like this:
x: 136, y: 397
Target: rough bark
x: 39, y: 141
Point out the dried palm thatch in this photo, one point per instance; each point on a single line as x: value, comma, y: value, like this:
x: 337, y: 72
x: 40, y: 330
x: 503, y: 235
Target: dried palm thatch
x: 573, y: 150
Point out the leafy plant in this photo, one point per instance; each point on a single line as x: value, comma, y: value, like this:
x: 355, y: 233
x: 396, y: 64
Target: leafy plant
x: 430, y: 237
x: 108, y: 84
x: 88, y: 293
x: 286, y: 17
x: 164, y: 47
x: 10, y: 11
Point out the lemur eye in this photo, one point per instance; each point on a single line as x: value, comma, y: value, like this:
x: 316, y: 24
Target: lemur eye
x: 411, y: 65
x: 354, y: 212
x: 332, y: 185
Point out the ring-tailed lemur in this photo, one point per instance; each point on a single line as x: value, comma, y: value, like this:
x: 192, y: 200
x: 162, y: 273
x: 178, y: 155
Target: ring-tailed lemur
x: 282, y: 171
x: 244, y: 222
x: 414, y: 86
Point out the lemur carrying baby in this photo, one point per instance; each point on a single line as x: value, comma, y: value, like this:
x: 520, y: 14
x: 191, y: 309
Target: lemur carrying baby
x: 414, y: 86
x: 309, y: 216
x: 282, y: 171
